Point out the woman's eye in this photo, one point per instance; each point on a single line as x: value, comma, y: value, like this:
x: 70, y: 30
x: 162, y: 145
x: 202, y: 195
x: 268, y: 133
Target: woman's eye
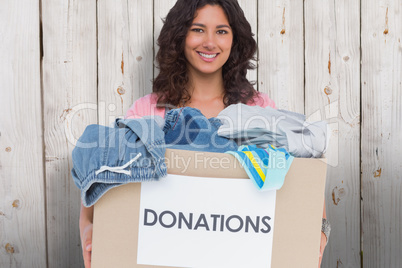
x: 222, y: 32
x: 197, y: 30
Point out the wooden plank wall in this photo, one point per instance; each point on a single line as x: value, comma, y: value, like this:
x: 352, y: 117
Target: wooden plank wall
x: 280, y: 42
x: 66, y: 64
x: 381, y: 133
x: 22, y: 191
x: 332, y: 90
x: 69, y: 96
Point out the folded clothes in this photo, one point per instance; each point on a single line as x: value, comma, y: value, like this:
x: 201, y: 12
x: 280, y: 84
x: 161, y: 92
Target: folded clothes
x: 254, y: 125
x: 188, y: 129
x: 267, y: 168
x: 106, y: 157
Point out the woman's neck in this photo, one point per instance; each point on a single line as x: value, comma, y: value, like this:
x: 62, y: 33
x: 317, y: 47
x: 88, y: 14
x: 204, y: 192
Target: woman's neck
x: 207, y: 93
x: 204, y: 87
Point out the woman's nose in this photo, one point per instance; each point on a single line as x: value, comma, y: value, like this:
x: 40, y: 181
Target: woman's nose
x: 209, y: 42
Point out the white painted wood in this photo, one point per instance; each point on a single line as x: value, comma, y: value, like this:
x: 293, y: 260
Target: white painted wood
x: 140, y: 59
x: 381, y: 133
x: 332, y: 75
x: 250, y: 11
x: 125, y: 52
x: 22, y: 198
x: 69, y: 100
x: 280, y: 40
x: 114, y: 69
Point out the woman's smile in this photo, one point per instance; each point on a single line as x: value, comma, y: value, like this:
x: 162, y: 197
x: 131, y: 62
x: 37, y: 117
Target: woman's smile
x: 209, y: 57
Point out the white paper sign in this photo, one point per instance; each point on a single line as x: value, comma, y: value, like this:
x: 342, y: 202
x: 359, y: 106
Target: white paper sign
x: 205, y: 222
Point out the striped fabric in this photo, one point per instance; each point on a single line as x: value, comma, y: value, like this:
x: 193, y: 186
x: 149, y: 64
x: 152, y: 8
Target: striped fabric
x: 267, y: 168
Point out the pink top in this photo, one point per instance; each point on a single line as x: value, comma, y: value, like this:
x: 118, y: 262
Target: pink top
x: 147, y: 105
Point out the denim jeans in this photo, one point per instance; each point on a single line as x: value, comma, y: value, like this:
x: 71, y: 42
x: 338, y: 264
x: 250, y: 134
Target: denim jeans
x: 188, y: 129
x: 106, y: 157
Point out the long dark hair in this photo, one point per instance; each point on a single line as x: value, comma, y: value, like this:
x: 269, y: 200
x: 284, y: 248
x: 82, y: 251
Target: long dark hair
x: 170, y: 84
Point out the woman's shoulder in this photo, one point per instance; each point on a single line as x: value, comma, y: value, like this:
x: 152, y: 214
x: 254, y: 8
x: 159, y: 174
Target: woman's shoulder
x: 262, y: 99
x: 148, y: 99
x: 143, y: 106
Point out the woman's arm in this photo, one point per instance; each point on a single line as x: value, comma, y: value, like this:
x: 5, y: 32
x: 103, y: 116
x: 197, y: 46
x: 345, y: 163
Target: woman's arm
x: 323, y: 238
x: 86, y: 220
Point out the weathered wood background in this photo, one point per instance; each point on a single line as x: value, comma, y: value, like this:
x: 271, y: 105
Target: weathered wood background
x: 67, y: 63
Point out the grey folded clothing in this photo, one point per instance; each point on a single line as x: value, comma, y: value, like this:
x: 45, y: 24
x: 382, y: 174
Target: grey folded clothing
x: 254, y: 125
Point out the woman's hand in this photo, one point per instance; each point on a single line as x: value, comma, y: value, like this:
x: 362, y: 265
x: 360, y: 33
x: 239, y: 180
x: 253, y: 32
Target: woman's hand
x: 86, y: 242
x: 86, y: 227
x: 322, y: 247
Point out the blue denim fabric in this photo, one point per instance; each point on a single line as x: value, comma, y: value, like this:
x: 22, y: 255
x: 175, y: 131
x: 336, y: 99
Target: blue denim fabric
x: 188, y: 129
x: 101, y: 147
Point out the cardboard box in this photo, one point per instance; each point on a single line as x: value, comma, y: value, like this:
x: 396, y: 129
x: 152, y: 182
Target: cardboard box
x: 297, y: 221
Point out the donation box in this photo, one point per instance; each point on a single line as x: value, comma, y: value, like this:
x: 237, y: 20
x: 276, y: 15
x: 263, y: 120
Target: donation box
x: 207, y: 213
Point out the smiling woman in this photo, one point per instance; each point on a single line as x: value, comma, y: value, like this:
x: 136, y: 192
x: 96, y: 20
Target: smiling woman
x: 206, y: 49
x: 208, y: 42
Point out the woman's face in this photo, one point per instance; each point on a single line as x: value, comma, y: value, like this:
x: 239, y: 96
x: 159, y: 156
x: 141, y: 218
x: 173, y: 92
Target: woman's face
x: 208, y: 41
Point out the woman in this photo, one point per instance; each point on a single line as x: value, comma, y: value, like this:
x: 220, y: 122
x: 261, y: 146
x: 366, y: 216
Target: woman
x: 205, y: 51
x: 203, y: 63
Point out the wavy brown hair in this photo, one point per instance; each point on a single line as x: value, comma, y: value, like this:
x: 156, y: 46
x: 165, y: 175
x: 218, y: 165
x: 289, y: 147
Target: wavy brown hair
x: 170, y: 84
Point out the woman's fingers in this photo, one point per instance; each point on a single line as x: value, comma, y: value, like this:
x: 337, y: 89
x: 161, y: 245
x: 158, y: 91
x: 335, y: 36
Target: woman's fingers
x: 87, y: 258
x: 322, y: 247
x: 87, y: 245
